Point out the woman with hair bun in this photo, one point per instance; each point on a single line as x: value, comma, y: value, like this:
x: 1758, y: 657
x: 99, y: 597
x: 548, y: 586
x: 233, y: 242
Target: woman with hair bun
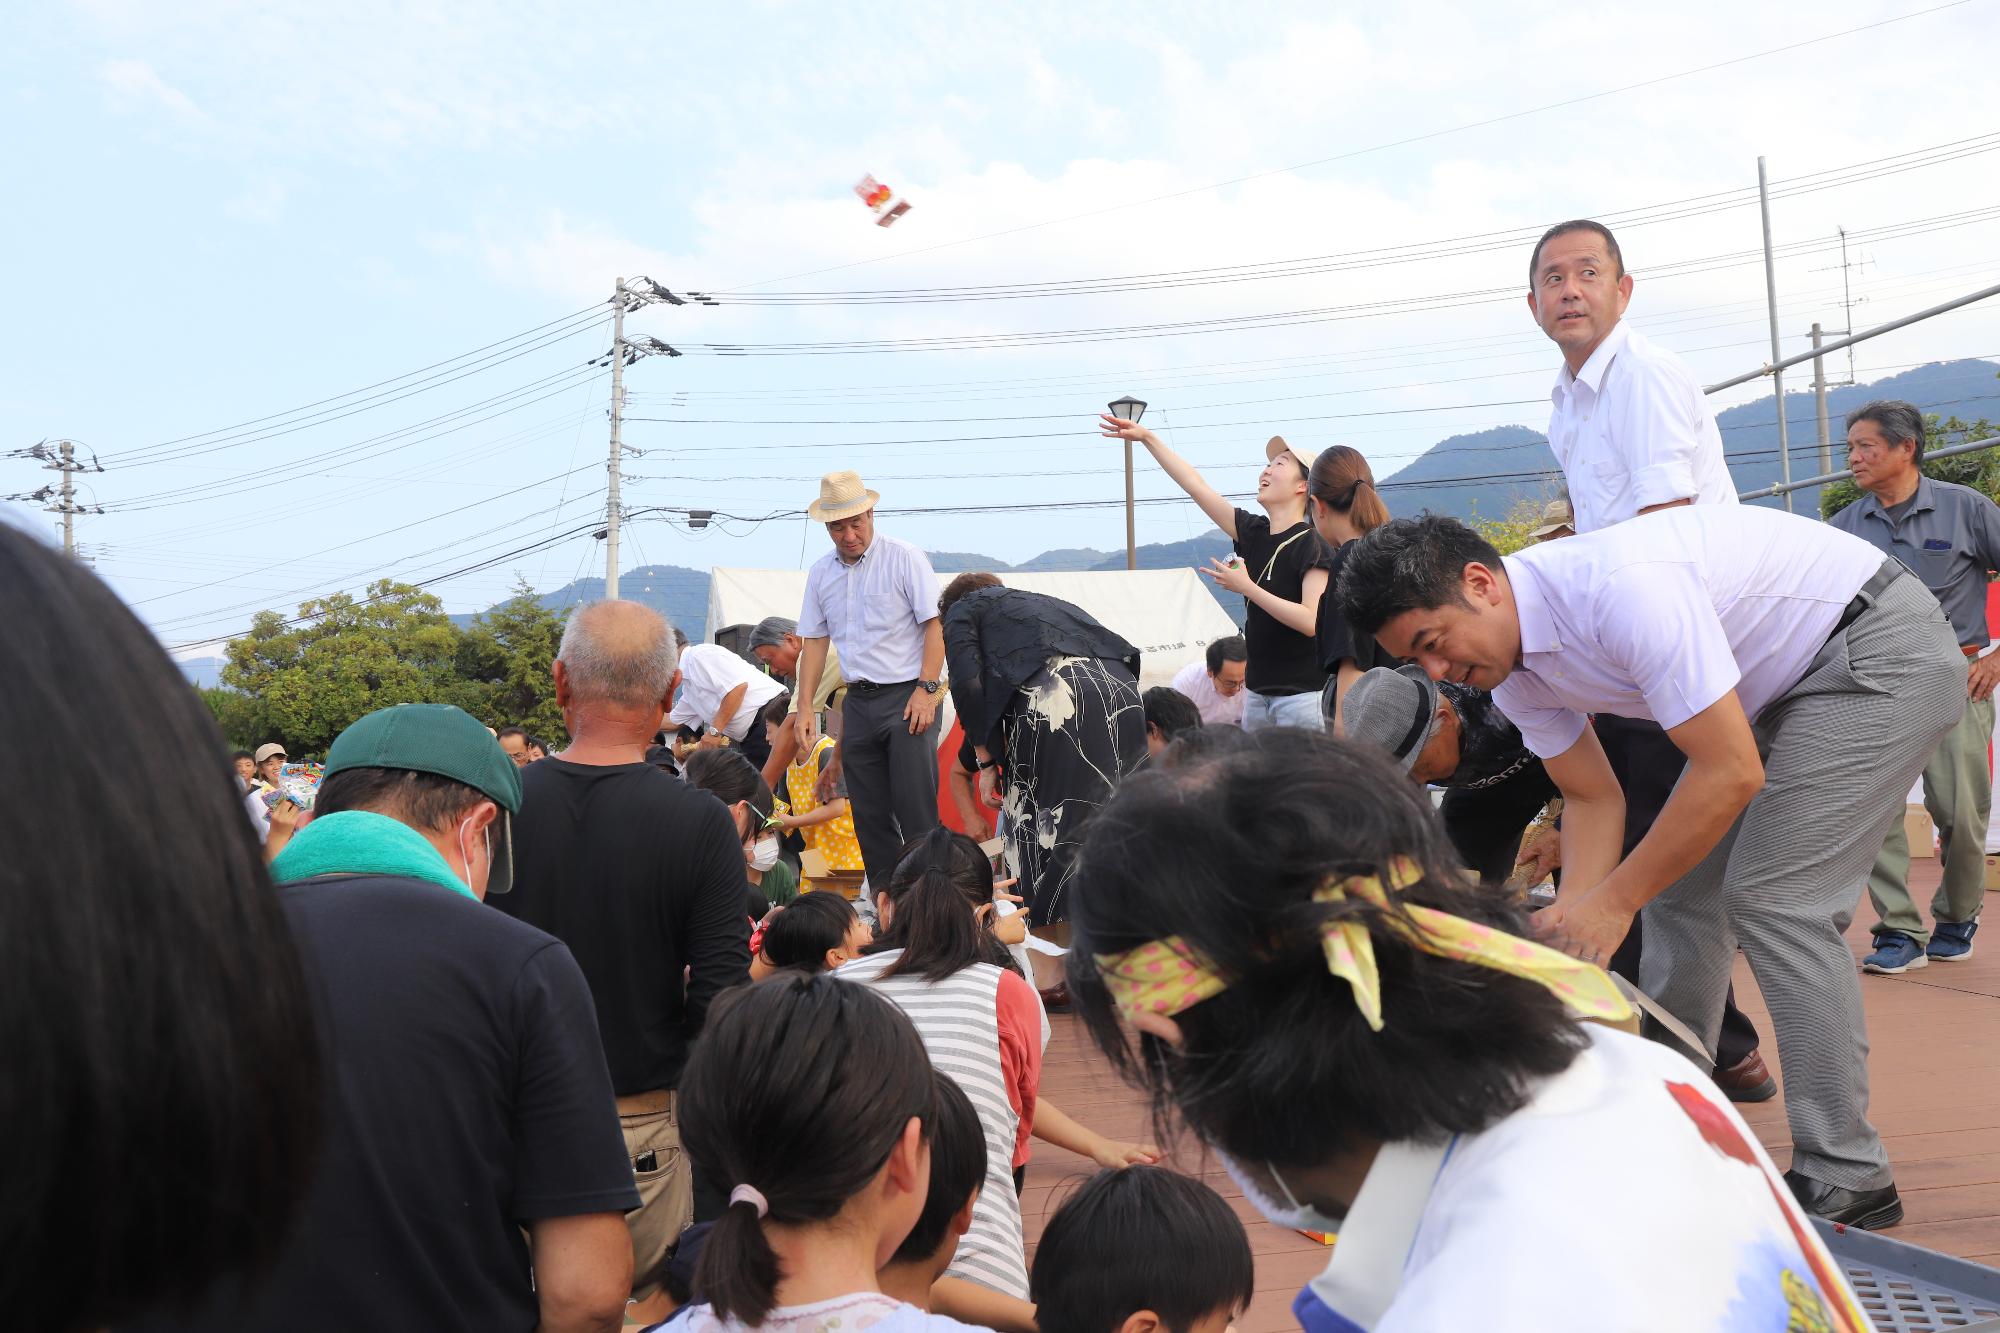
x: 812, y: 1098
x: 1372, y: 1046
x: 1343, y: 504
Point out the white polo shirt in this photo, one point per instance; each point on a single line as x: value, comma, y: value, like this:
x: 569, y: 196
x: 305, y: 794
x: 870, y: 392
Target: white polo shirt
x: 874, y: 610
x: 1633, y: 430
x: 1216, y: 709
x: 708, y: 673
x: 1660, y: 616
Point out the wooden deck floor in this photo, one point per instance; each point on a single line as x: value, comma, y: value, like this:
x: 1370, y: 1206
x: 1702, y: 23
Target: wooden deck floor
x: 1934, y: 1066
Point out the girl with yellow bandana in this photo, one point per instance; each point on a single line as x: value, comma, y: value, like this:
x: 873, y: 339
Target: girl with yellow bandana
x: 1277, y: 943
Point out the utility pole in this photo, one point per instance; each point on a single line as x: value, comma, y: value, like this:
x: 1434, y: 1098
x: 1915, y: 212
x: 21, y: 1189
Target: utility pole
x: 625, y: 298
x: 61, y: 498
x: 68, y: 503
x: 1819, y: 405
x: 1771, y: 298
x: 611, y: 510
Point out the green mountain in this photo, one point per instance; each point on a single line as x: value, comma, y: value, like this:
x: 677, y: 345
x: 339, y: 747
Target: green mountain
x: 1485, y: 473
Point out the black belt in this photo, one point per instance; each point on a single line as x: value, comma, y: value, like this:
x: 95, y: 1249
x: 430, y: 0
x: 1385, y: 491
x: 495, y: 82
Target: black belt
x: 870, y: 687
x: 1871, y: 593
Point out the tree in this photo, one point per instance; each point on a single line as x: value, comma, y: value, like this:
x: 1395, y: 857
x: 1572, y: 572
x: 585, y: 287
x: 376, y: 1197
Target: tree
x: 348, y: 658
x: 1511, y: 533
x: 509, y: 650
x: 1980, y: 469
x: 239, y: 717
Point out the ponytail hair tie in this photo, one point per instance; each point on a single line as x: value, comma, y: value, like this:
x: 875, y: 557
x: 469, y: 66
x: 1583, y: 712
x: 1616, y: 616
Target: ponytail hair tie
x: 751, y: 1195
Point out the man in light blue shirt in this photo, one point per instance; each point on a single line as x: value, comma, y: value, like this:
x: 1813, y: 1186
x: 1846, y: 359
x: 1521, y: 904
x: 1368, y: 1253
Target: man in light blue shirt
x: 875, y: 599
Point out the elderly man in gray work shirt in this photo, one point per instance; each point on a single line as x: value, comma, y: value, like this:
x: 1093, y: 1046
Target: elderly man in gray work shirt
x: 1949, y: 536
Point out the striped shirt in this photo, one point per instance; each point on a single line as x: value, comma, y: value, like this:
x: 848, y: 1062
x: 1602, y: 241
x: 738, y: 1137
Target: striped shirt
x: 960, y: 1022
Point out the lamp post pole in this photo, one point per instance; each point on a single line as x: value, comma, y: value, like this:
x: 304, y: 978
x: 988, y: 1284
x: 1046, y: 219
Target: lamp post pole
x: 1130, y: 409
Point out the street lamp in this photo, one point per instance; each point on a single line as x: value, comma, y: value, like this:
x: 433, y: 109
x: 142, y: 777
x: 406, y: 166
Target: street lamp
x: 1131, y: 409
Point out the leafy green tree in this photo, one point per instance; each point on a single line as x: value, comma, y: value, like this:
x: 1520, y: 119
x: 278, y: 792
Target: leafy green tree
x: 1980, y: 469
x: 1511, y: 533
x: 347, y: 658
x: 509, y: 650
x: 239, y: 717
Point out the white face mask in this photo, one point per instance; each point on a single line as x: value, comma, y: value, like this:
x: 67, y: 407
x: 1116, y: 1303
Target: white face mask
x: 465, y: 852
x: 765, y: 856
x: 1289, y: 1213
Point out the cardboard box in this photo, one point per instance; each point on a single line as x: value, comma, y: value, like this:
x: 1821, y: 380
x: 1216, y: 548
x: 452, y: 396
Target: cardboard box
x: 1921, y: 832
x: 1992, y: 873
x: 814, y: 875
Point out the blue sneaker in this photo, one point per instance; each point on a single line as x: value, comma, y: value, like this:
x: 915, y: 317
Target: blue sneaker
x: 1951, y: 941
x: 1893, y: 954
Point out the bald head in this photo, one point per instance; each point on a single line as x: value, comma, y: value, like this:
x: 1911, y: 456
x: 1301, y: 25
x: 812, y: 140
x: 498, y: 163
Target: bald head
x: 618, y: 653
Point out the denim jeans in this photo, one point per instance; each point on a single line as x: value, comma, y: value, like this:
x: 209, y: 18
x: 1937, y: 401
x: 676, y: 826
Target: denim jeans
x: 1290, y: 710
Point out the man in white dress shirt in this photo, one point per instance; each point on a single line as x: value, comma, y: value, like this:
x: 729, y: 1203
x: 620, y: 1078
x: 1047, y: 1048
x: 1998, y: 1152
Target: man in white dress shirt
x: 1634, y: 433
x: 1215, y: 682
x: 875, y: 598
x: 1805, y: 678
x: 724, y: 693
x: 1631, y: 428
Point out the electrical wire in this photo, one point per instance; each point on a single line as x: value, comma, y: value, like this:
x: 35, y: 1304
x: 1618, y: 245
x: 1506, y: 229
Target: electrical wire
x: 1414, y: 252
x: 593, y: 312
x: 1349, y: 154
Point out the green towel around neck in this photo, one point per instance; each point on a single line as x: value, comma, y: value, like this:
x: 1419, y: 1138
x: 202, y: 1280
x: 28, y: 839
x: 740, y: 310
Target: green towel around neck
x: 361, y: 842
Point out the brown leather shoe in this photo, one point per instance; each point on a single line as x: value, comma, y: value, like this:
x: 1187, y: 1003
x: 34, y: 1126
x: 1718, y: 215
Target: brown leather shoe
x: 1055, y: 998
x: 1747, y: 1080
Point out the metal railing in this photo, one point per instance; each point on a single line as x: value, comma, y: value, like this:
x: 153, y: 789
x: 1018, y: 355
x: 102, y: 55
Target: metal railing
x: 1968, y: 447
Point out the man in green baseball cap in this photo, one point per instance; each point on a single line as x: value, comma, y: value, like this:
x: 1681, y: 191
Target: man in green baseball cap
x: 467, y: 1102
x: 421, y: 790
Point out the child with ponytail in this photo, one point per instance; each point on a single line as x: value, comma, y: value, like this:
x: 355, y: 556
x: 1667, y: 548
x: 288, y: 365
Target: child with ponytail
x: 812, y: 1098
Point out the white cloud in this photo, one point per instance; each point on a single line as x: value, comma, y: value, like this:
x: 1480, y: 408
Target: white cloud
x: 261, y: 201
x: 136, y: 84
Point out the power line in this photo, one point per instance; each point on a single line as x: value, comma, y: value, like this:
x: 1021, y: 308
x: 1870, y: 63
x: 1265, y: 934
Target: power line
x: 1349, y: 154
x: 593, y: 311
x: 1286, y: 318
x: 1415, y: 252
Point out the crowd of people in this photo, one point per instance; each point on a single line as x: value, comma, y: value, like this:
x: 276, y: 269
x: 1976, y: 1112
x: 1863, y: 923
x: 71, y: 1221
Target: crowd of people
x: 497, y: 1034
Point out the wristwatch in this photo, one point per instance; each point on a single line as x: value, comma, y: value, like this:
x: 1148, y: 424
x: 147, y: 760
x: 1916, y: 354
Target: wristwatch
x: 931, y: 686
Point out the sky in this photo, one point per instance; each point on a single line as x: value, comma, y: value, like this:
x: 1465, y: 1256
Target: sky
x: 319, y: 286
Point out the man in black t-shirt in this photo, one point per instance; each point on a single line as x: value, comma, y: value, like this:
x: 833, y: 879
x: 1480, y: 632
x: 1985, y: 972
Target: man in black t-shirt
x: 1279, y: 569
x: 644, y: 879
x: 472, y: 1174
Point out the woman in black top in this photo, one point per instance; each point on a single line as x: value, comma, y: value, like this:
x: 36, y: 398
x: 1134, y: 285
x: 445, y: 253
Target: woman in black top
x: 1280, y: 571
x: 1343, y: 503
x: 1044, y: 688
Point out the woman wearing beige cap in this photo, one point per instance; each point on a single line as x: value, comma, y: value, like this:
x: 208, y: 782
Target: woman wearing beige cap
x: 1279, y: 568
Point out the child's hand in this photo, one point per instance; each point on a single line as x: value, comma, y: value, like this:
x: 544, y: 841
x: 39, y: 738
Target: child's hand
x: 1114, y: 1156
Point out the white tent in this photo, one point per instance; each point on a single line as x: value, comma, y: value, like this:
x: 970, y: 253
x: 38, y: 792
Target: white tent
x: 1166, y: 613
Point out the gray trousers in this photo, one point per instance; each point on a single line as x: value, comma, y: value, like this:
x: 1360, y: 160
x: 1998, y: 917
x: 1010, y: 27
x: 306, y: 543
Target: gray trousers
x: 1841, y: 749
x: 1958, y: 791
x: 892, y: 776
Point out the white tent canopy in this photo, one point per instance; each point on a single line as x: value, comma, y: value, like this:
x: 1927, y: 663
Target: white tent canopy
x: 1166, y: 613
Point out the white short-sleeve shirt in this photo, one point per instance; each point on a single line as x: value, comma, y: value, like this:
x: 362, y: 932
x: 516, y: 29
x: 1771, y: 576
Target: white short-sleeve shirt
x: 708, y: 673
x: 1632, y: 429
x: 1659, y: 617
x: 874, y: 610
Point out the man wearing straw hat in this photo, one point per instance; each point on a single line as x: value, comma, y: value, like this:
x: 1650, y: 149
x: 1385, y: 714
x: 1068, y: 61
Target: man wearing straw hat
x: 1557, y: 521
x: 875, y: 599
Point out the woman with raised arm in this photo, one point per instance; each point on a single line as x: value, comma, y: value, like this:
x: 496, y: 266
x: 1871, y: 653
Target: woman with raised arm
x: 1279, y: 568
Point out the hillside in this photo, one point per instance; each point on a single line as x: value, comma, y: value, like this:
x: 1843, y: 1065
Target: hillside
x: 1494, y: 469
x: 1485, y: 473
